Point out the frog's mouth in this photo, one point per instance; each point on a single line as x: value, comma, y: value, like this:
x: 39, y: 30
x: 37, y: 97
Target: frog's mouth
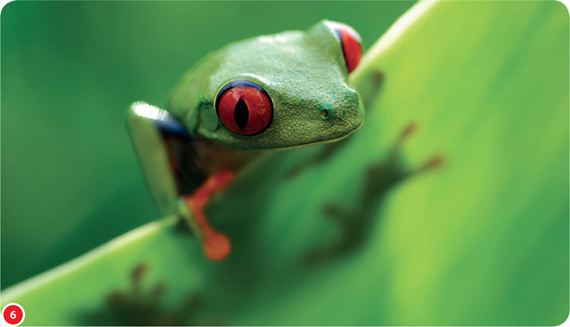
x: 304, y: 145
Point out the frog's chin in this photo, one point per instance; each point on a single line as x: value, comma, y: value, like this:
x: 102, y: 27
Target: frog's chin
x: 319, y: 142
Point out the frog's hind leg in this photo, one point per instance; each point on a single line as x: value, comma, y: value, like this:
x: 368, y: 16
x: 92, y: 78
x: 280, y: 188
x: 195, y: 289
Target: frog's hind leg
x: 143, y: 125
x: 173, y: 171
x: 381, y: 177
x: 216, y: 245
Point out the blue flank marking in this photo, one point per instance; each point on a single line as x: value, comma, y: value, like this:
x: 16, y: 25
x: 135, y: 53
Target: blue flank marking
x: 171, y: 126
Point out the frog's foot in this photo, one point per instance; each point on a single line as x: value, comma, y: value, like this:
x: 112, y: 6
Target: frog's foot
x: 139, y: 307
x: 129, y: 306
x: 355, y: 225
x: 216, y: 245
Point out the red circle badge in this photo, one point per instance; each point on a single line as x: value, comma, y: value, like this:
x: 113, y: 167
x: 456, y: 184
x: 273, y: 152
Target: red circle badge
x: 13, y: 314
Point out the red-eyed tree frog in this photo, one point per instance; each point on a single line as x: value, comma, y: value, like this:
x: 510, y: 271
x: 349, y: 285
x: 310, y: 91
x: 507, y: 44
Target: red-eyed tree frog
x: 280, y: 91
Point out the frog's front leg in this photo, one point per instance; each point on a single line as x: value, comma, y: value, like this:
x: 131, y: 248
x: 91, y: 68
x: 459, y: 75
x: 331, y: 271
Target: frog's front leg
x: 217, y: 246
x: 175, y: 173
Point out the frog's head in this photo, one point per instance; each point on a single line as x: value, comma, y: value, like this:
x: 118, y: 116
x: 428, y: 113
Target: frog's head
x: 282, y: 91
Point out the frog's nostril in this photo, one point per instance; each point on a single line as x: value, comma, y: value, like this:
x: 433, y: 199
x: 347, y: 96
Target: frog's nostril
x: 325, y: 111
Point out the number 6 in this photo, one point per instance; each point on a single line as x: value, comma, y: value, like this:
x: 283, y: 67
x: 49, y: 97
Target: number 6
x: 13, y: 315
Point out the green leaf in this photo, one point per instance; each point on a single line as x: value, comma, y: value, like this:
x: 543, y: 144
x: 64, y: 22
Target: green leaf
x: 480, y: 239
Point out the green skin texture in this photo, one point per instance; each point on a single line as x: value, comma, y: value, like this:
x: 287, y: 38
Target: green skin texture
x: 303, y: 73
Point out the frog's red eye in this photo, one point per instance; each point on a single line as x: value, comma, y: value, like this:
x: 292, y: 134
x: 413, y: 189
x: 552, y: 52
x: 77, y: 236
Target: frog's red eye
x: 244, y: 107
x: 351, y: 45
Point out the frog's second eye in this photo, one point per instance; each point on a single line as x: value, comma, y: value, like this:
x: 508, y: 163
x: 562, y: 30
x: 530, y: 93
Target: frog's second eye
x: 244, y: 107
x: 351, y: 45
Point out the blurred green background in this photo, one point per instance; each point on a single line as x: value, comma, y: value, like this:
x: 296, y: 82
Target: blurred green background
x: 70, y: 70
x: 481, y: 240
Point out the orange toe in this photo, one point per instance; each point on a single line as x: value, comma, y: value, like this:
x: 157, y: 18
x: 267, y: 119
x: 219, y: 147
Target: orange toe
x: 217, y: 246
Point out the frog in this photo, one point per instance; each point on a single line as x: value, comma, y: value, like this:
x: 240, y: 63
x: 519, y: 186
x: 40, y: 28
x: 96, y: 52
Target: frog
x: 272, y: 92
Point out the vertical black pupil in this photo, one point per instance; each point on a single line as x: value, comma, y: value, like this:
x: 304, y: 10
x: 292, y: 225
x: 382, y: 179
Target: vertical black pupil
x: 241, y: 114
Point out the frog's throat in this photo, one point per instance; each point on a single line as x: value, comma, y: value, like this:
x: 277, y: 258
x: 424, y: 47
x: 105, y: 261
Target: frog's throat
x: 318, y: 143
